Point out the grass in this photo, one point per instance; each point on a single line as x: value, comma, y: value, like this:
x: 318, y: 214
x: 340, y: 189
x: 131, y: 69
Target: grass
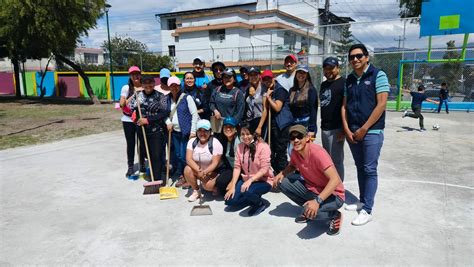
x: 28, y: 123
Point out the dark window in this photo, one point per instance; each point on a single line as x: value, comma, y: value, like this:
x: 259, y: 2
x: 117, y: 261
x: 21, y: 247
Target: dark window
x: 217, y: 35
x: 289, y: 40
x: 171, y: 24
x: 171, y: 51
x: 91, y: 58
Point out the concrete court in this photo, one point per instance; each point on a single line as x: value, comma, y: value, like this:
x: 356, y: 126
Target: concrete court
x: 68, y: 203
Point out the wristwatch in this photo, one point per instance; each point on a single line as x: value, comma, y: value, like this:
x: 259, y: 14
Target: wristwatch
x: 319, y: 199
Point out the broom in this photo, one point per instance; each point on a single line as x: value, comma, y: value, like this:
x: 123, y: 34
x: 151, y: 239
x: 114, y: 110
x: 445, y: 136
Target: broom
x: 152, y: 187
x: 167, y: 192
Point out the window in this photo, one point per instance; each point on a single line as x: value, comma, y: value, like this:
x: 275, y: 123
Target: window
x: 289, y: 40
x: 217, y: 35
x: 176, y: 39
x: 91, y: 58
x: 171, y: 24
x: 171, y: 51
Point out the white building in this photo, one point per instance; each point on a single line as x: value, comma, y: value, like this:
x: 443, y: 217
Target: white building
x: 258, y: 33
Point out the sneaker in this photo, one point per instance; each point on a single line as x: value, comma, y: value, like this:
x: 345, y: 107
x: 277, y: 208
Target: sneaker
x: 405, y: 114
x: 353, y: 207
x: 335, y: 225
x: 301, y: 219
x: 129, y: 172
x: 362, y: 218
x: 422, y: 129
x: 194, y: 196
x: 259, y: 208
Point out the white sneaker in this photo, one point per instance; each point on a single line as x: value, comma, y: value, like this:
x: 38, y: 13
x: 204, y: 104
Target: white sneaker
x: 353, y: 207
x: 362, y: 218
x: 194, y: 196
x: 405, y: 114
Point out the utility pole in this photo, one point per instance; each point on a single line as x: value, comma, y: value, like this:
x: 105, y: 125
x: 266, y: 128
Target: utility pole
x: 399, y: 40
x: 326, y: 21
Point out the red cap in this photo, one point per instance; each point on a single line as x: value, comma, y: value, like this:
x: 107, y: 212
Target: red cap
x: 293, y: 57
x: 266, y: 73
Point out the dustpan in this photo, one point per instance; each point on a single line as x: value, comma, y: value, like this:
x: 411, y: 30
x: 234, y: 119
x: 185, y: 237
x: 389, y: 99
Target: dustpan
x: 168, y: 192
x: 201, y: 210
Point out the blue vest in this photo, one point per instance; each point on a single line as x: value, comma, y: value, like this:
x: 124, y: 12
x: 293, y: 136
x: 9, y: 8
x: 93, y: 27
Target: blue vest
x: 184, y: 116
x: 362, y: 99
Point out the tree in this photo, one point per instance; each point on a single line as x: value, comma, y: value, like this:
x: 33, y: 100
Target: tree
x: 37, y: 29
x: 346, y: 40
x: 128, y: 52
x: 409, y: 8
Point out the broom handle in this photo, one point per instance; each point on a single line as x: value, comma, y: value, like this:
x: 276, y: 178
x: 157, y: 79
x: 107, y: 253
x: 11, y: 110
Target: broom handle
x: 269, y: 122
x: 145, y: 140
x: 169, y: 156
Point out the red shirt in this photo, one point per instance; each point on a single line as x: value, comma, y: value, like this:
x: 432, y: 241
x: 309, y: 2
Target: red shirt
x: 312, y: 168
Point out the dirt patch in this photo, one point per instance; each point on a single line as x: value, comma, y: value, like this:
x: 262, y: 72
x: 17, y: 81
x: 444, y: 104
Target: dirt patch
x: 27, y: 123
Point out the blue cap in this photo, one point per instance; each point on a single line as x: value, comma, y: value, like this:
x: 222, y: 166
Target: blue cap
x: 203, y: 124
x: 330, y: 61
x: 230, y: 121
x: 302, y: 68
x: 165, y: 73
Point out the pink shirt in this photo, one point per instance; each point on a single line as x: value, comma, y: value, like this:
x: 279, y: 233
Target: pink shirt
x: 312, y: 168
x: 159, y: 89
x: 201, y: 154
x: 261, y: 161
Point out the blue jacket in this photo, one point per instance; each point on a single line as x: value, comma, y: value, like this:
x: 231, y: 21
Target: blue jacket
x: 361, y: 100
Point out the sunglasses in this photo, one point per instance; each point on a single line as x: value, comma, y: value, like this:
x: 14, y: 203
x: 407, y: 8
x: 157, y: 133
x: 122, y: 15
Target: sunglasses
x: 358, y: 56
x: 293, y: 136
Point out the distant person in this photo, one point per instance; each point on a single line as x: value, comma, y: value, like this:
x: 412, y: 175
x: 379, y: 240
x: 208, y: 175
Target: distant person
x: 129, y: 128
x: 244, y: 83
x: 321, y: 192
x: 163, y: 88
x: 363, y: 118
x: 254, y: 102
x: 190, y: 88
x: 286, y: 79
x: 443, y: 97
x: 416, y: 102
x: 252, y: 175
x: 202, y: 79
x: 330, y: 96
x: 230, y: 143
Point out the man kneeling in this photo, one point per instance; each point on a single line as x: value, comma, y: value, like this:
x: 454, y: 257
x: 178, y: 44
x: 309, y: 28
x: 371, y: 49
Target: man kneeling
x: 321, y: 191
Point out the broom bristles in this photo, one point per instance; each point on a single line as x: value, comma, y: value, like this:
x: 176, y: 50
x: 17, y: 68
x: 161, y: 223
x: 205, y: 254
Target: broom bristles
x: 152, y: 189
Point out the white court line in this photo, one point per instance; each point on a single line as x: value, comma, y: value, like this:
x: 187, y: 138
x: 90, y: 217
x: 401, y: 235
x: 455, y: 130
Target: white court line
x: 421, y: 182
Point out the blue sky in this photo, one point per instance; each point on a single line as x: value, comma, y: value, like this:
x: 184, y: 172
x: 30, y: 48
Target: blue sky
x: 137, y: 20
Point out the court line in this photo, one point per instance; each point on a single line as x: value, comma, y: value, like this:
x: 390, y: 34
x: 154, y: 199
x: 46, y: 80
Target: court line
x: 422, y: 182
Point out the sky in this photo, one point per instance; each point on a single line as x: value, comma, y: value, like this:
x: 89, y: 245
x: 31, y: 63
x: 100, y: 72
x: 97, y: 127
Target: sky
x: 377, y: 23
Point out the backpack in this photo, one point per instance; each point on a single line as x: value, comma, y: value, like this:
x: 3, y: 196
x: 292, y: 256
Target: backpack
x: 209, y: 143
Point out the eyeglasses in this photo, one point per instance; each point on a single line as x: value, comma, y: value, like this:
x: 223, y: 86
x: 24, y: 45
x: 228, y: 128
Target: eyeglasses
x: 293, y: 136
x: 358, y: 56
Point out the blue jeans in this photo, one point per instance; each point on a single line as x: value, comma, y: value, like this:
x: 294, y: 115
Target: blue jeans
x: 441, y: 101
x: 366, y: 154
x: 252, y: 196
x: 178, y: 158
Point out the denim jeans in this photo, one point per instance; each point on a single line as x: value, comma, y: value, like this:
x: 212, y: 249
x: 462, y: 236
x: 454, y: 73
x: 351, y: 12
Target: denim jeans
x: 441, y: 101
x: 179, y: 142
x: 366, y: 154
x: 252, y: 196
x: 293, y: 187
x: 334, y: 148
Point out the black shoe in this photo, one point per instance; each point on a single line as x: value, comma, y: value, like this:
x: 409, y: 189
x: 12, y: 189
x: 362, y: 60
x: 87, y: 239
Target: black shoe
x: 301, y: 219
x: 335, y: 224
x: 129, y: 172
x: 259, y: 208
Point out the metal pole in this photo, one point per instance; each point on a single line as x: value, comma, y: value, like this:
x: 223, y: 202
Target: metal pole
x: 107, y: 6
x: 271, y: 50
x: 141, y: 61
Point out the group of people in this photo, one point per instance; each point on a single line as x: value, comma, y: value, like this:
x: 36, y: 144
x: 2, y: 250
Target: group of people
x: 241, y: 139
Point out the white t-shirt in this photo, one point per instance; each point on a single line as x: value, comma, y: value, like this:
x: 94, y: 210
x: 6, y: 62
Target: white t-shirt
x: 124, y: 93
x: 201, y: 154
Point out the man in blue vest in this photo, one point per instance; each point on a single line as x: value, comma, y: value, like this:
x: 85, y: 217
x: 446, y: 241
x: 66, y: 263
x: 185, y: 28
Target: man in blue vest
x: 363, y: 119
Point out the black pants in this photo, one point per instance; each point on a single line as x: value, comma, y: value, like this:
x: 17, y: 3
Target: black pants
x: 279, y: 144
x: 157, y: 152
x: 225, y: 176
x: 130, y: 130
x: 417, y: 114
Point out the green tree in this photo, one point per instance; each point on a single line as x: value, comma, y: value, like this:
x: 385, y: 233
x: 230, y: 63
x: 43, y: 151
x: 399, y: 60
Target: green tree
x: 449, y: 72
x: 128, y: 52
x: 36, y: 29
x: 409, y: 8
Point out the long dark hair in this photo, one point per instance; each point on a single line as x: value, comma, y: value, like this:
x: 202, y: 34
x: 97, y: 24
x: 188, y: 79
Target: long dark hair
x: 131, y: 88
x: 252, y: 146
x: 301, y: 94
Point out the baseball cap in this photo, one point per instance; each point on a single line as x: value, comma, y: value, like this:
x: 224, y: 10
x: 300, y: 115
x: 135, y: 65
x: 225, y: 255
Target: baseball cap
x: 203, y: 124
x: 299, y: 129
x: 254, y: 69
x: 133, y: 69
x: 173, y: 80
x: 267, y: 73
x: 228, y: 72
x: 216, y: 64
x: 293, y: 57
x: 244, y: 69
x: 165, y: 73
x: 148, y: 78
x: 198, y: 59
x: 230, y: 121
x: 330, y: 61
x: 302, y: 68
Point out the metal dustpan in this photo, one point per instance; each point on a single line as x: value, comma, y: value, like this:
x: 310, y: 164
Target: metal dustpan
x: 201, y: 210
